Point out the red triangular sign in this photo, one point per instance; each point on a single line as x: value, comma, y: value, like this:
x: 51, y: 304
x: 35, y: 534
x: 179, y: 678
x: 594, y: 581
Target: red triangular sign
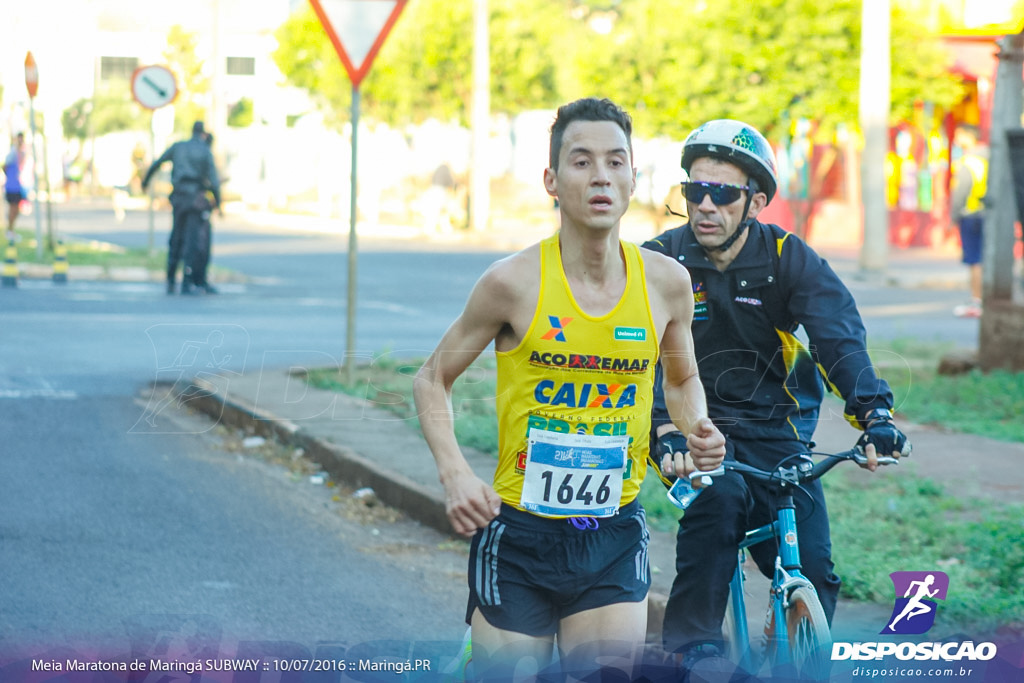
x: 357, y: 29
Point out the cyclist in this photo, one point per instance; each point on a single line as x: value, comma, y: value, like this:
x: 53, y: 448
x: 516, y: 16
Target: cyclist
x: 559, y: 543
x: 752, y: 285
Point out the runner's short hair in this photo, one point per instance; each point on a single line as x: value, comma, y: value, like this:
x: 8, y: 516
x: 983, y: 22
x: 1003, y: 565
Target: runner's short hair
x: 587, y: 109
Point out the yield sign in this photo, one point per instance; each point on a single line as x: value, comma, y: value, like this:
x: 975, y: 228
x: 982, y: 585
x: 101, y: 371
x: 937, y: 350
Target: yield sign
x: 357, y: 28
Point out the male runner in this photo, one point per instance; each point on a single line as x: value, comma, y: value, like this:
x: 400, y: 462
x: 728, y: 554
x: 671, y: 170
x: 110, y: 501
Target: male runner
x: 559, y: 542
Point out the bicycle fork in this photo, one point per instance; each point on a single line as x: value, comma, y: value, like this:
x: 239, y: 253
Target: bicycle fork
x: 787, y: 577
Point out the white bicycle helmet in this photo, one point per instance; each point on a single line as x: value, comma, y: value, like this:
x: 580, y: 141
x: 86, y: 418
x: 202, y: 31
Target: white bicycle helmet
x: 737, y: 143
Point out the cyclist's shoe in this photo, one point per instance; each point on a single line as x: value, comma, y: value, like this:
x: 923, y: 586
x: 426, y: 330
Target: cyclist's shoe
x: 705, y: 663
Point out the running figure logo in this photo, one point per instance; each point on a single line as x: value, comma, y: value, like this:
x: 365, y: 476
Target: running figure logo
x: 914, y: 612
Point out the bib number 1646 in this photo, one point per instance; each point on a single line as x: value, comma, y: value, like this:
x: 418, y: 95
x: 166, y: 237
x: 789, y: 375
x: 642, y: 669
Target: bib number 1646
x: 569, y: 475
x: 568, y: 490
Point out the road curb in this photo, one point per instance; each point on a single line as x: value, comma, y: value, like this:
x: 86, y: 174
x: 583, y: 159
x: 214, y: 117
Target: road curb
x: 341, y: 463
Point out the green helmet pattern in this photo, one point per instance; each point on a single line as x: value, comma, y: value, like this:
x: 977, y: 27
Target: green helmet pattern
x: 735, y: 142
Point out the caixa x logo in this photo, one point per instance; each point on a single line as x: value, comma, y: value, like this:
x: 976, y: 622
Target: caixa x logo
x: 914, y: 612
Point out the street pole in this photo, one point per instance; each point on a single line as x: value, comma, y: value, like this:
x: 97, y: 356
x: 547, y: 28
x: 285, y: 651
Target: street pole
x: 149, y: 190
x: 350, y: 313
x: 50, y: 241
x: 35, y: 180
x: 480, y: 181
x: 1007, y: 105
x: 874, y: 123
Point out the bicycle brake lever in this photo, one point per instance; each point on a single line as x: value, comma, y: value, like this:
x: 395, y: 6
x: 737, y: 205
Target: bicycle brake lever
x: 705, y: 476
x: 861, y: 459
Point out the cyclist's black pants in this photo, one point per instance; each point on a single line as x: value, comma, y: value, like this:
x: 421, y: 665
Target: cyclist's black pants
x: 709, y: 534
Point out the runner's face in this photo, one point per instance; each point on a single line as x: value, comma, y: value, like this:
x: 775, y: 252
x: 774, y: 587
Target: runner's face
x: 712, y: 223
x: 595, y: 177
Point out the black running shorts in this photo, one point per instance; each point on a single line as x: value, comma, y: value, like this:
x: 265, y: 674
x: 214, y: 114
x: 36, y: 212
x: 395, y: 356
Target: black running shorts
x: 527, y: 573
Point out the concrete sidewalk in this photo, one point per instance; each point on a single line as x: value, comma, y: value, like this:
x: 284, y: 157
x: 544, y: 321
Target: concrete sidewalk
x: 364, y: 445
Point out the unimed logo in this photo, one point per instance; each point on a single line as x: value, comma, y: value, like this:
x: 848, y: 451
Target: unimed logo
x: 916, y: 595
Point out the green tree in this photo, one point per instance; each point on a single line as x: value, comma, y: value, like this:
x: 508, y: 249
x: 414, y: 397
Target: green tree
x: 193, y: 85
x: 110, y: 110
x: 678, y: 64
x: 672, y: 63
x: 424, y: 69
x: 241, y: 113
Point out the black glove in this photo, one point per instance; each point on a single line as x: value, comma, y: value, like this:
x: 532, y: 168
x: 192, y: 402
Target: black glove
x: 670, y: 443
x: 881, y: 432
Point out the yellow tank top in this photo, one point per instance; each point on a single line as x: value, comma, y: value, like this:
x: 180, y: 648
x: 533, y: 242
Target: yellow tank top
x: 576, y: 389
x: 979, y: 185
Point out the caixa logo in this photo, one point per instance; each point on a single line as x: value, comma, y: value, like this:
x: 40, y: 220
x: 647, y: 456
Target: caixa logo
x: 916, y: 595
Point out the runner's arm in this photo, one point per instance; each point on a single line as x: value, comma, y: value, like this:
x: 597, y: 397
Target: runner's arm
x: 469, y: 501
x: 683, y: 390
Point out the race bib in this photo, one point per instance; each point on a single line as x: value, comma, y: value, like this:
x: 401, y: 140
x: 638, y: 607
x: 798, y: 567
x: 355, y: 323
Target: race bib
x: 573, y: 475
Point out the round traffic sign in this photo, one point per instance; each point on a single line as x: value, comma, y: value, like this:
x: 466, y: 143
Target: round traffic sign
x: 154, y: 86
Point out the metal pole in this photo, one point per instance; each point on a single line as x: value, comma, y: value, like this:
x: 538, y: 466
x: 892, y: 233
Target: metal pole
x: 149, y: 190
x: 50, y: 241
x: 480, y: 177
x: 997, y: 256
x: 874, y: 122
x: 350, y: 326
x: 35, y: 179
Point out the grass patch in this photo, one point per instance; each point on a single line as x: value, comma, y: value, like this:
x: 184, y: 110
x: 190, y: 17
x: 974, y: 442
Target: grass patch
x: 387, y: 383
x: 986, y: 404
x: 976, y: 542
x: 91, y: 253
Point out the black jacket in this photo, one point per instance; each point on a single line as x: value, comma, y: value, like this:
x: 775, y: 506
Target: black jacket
x: 760, y: 380
x: 193, y: 171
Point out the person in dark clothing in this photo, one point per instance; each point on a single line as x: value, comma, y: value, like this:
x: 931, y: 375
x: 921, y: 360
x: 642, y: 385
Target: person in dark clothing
x: 204, y: 238
x: 753, y: 286
x: 192, y: 175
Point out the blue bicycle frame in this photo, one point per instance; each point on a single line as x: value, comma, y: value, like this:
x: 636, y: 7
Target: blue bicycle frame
x: 787, y: 576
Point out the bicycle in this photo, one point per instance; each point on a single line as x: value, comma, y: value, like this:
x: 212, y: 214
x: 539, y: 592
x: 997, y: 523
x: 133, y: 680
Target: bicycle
x: 802, y: 648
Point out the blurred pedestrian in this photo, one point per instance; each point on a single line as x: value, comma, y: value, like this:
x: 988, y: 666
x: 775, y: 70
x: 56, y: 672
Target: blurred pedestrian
x: 967, y: 209
x: 14, y: 192
x: 204, y: 239
x: 193, y: 173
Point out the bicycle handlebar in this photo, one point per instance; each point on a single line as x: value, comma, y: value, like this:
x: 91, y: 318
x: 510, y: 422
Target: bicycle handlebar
x: 802, y: 471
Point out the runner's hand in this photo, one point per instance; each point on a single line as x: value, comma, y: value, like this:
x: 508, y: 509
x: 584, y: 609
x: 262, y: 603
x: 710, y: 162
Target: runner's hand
x: 470, y: 503
x: 706, y: 444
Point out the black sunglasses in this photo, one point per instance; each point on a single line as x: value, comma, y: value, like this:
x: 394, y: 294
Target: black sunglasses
x: 721, y: 194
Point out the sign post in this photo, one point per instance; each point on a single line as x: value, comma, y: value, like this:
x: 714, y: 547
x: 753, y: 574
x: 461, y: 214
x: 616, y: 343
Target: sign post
x: 32, y: 84
x: 357, y: 29
x: 153, y: 87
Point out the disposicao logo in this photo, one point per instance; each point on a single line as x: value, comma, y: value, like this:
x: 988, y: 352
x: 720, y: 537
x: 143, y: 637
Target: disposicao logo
x: 914, y: 613
x: 916, y: 595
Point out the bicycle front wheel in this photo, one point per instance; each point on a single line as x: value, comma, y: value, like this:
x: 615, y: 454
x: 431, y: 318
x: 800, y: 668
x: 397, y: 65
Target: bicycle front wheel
x: 809, y: 638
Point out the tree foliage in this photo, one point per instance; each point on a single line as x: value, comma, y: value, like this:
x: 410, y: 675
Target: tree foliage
x: 424, y: 69
x: 672, y: 63
x: 110, y: 110
x: 193, y: 84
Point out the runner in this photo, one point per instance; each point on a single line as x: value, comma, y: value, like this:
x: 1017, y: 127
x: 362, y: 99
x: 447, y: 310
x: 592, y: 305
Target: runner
x: 559, y: 542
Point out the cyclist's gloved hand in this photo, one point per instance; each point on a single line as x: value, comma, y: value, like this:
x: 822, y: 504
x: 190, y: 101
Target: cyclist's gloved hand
x: 669, y: 444
x: 880, y: 432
